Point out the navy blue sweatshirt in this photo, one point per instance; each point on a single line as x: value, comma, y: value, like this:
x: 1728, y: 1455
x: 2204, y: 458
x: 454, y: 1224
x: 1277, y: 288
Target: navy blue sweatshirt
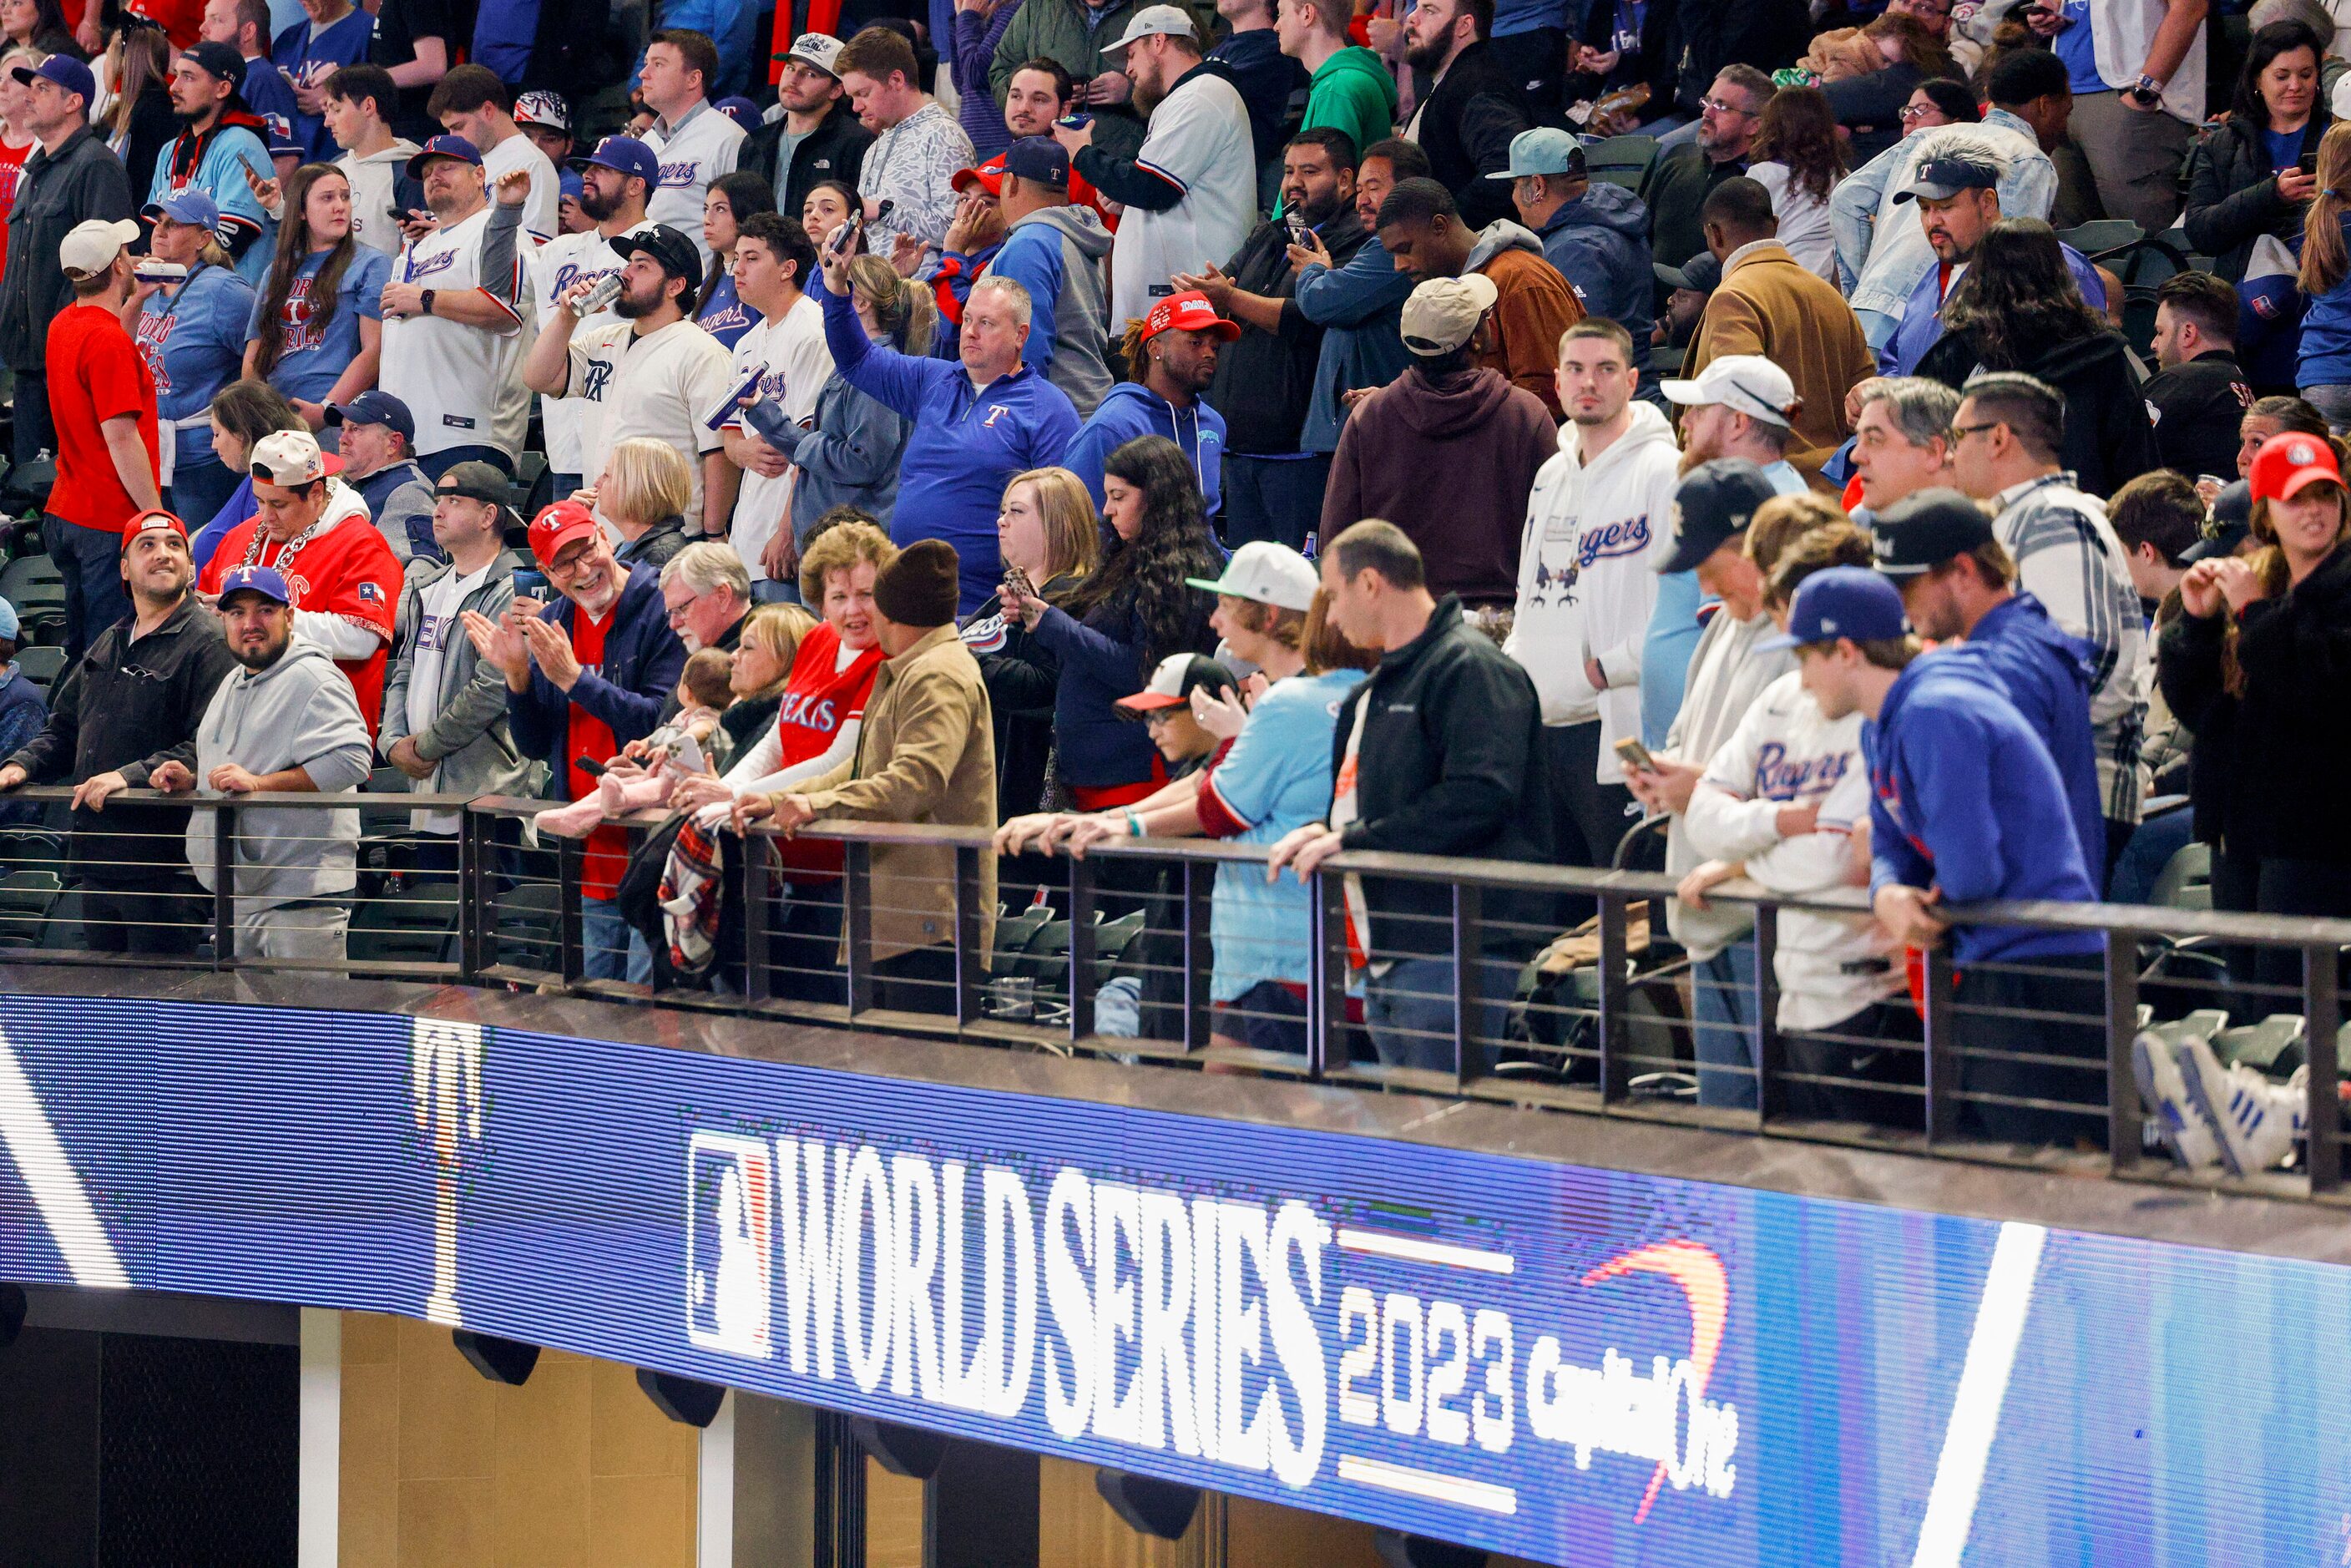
x: 2045, y: 671
x: 965, y: 445
x: 1964, y: 798
x: 642, y: 661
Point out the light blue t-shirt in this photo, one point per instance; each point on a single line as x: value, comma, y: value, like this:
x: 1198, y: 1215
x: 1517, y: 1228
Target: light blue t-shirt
x: 1277, y: 777
x: 194, y: 344
x: 220, y: 169
x: 314, y: 356
x: 2079, y: 49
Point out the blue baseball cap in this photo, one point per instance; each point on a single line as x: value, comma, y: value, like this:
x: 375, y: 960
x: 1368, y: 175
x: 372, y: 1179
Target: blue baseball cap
x: 741, y: 110
x: 624, y: 155
x: 570, y: 185
x: 1542, y: 150
x: 456, y: 147
x: 1039, y: 157
x: 1842, y: 601
x: 268, y: 581
x: 190, y: 205
x: 67, y: 72
x: 9, y: 625
x: 374, y: 406
x: 1940, y: 179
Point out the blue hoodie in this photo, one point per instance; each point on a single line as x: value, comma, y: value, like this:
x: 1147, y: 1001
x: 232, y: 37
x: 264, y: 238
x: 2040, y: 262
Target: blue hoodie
x: 1964, y: 798
x: 2046, y: 672
x: 1132, y: 410
x: 1599, y: 244
x: 1360, y: 308
x: 965, y: 443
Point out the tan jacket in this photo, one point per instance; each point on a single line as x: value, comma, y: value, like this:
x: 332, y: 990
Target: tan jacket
x: 1770, y: 304
x: 925, y: 754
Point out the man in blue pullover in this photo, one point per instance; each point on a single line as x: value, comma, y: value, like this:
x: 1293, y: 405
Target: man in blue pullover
x: 1175, y: 355
x: 1966, y: 808
x: 978, y: 419
x: 1959, y: 587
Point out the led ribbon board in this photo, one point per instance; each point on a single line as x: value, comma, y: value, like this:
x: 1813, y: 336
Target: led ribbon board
x: 1575, y: 1365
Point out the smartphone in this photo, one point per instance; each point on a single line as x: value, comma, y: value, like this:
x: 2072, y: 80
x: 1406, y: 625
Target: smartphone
x: 1017, y: 582
x: 590, y: 766
x: 530, y: 585
x: 1297, y: 226
x: 1074, y: 121
x: 2307, y: 163
x: 1636, y: 755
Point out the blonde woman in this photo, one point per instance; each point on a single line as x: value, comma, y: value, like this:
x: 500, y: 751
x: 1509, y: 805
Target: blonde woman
x: 1047, y: 531
x: 643, y: 493
x: 761, y: 670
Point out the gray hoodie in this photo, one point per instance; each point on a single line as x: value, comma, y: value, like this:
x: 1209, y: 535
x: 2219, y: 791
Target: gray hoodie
x: 1056, y: 254
x: 300, y: 711
x: 1496, y: 237
x: 468, y: 734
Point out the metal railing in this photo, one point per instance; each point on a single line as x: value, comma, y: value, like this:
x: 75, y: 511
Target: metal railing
x: 1619, y: 1045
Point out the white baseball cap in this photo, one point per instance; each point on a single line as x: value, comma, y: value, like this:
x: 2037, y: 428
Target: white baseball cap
x: 290, y: 457
x: 1748, y: 382
x: 818, y: 49
x: 1168, y: 19
x: 1265, y: 572
x: 90, y: 248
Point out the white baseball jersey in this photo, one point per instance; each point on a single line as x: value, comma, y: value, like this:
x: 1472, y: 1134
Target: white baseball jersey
x: 1199, y: 142
x: 519, y: 151
x: 693, y: 152
x: 660, y: 385
x: 796, y: 363
x: 464, y: 383
x: 561, y: 262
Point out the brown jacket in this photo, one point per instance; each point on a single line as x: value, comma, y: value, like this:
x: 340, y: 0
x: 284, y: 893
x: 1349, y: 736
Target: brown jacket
x: 1769, y: 304
x: 924, y: 754
x: 1533, y: 306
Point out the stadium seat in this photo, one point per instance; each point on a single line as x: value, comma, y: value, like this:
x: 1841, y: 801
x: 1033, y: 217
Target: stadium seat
x: 528, y: 927
x: 2100, y: 236
x: 1621, y: 160
x: 25, y: 899
x: 400, y: 928
x: 42, y: 664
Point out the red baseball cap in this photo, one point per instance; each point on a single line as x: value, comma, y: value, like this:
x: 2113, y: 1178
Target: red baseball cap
x: 157, y: 521
x: 1187, y: 312
x: 988, y: 176
x: 2288, y: 461
x: 557, y: 526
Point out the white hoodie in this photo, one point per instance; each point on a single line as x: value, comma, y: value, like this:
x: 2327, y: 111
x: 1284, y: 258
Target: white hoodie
x: 1785, y: 753
x: 371, y: 179
x: 1588, y: 576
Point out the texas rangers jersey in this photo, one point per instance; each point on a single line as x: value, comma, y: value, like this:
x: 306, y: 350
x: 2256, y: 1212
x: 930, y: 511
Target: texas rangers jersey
x: 1199, y: 142
x: 538, y: 213
x: 695, y: 151
x: 660, y: 385
x: 561, y: 262
x: 464, y: 384
x: 794, y: 364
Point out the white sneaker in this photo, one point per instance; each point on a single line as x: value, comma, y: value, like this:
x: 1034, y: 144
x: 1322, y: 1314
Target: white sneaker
x: 2253, y: 1117
x: 2186, y: 1131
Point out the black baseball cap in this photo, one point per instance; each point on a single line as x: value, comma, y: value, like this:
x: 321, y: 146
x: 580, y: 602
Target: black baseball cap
x: 1918, y: 533
x: 2231, y: 524
x: 476, y: 482
x: 1940, y: 179
x: 219, y: 61
x: 1713, y: 504
x: 1701, y: 273
x: 670, y: 249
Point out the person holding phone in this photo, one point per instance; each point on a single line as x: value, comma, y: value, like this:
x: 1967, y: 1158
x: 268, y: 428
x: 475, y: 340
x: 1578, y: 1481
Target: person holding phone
x: 2247, y: 176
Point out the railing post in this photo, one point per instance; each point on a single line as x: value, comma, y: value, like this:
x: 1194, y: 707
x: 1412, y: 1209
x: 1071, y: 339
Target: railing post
x: 2321, y: 1008
x: 471, y: 893
x: 967, y: 950
x: 1081, y: 949
x: 1616, y: 1071
x: 1199, y: 878
x: 224, y: 885
x: 571, y: 859
x: 754, y: 917
x: 857, y: 924
x: 1327, y: 1004
x: 1470, y: 1053
x: 2124, y: 1115
x: 1770, y: 1053
x: 1942, y: 1049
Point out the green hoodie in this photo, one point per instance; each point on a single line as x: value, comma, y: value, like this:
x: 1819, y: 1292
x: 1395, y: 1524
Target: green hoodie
x: 1354, y: 92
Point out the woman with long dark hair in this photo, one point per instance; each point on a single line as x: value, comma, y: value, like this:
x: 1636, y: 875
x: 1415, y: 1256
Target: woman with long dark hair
x: 1113, y: 629
x: 2019, y: 308
x: 318, y: 327
x: 1796, y: 157
x: 733, y: 201
x: 140, y: 122
x: 2244, y: 177
x: 37, y: 24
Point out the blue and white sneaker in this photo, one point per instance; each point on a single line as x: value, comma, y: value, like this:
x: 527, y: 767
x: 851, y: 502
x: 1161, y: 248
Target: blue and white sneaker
x: 2187, y: 1131
x: 2255, y: 1120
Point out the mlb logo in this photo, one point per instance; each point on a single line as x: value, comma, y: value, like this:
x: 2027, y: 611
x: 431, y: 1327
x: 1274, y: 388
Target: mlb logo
x: 729, y: 1246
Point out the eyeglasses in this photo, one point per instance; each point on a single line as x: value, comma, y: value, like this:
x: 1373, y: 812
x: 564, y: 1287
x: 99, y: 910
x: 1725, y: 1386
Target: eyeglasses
x: 1961, y: 431
x: 1724, y: 106
x: 1913, y: 111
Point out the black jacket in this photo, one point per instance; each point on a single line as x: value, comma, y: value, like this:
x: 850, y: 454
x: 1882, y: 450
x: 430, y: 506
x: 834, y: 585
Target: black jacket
x: 2233, y: 195
x: 1712, y: 33
x: 2269, y: 764
x: 84, y: 181
x: 2108, y: 441
x: 2196, y: 408
x: 1450, y: 764
x: 1266, y: 380
x: 1677, y: 186
x: 129, y: 707
x: 1465, y: 130
x: 834, y: 150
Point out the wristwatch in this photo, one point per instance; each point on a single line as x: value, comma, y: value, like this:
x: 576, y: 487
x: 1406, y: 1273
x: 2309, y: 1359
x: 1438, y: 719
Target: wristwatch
x: 425, y: 301
x: 2147, y: 91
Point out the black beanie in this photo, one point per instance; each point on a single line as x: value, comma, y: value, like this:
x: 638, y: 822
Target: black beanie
x: 920, y: 587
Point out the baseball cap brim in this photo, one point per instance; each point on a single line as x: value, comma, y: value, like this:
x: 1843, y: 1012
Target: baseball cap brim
x: 1674, y: 278
x: 256, y: 590
x: 989, y: 179
x: 1149, y: 702
x: 1929, y: 191
x: 416, y: 166
x: 1691, y: 552
x: 576, y: 529
x: 1779, y: 643
x: 2222, y: 544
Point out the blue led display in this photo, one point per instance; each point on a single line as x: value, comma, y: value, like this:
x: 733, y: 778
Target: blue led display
x: 1575, y: 1365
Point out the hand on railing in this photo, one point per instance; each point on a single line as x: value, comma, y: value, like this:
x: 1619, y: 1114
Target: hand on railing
x: 698, y: 789
x: 175, y: 777
x: 1906, y: 914
x: 1711, y: 873
x: 1037, y: 831
x: 91, y: 791
x: 1303, y: 850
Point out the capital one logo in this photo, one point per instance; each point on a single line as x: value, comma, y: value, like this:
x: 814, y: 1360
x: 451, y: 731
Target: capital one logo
x: 445, y: 1089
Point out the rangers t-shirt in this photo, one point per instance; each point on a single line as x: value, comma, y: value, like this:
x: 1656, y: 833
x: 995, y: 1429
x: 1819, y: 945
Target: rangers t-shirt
x: 827, y: 688
x: 464, y: 384
x: 322, y: 339
x: 193, y: 341
x: 695, y: 151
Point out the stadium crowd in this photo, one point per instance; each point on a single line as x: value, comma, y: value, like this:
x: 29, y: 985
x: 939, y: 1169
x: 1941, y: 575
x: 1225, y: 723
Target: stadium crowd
x: 1480, y: 433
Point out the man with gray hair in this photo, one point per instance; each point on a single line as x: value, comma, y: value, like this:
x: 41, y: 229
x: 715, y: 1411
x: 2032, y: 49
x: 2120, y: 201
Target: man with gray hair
x: 2006, y: 437
x: 1901, y: 438
x: 706, y: 592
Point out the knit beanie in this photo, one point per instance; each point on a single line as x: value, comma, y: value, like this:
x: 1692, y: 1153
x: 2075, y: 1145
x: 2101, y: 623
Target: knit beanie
x: 920, y: 587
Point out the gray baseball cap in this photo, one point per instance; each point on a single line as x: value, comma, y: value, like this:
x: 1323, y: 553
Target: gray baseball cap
x: 1170, y: 20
